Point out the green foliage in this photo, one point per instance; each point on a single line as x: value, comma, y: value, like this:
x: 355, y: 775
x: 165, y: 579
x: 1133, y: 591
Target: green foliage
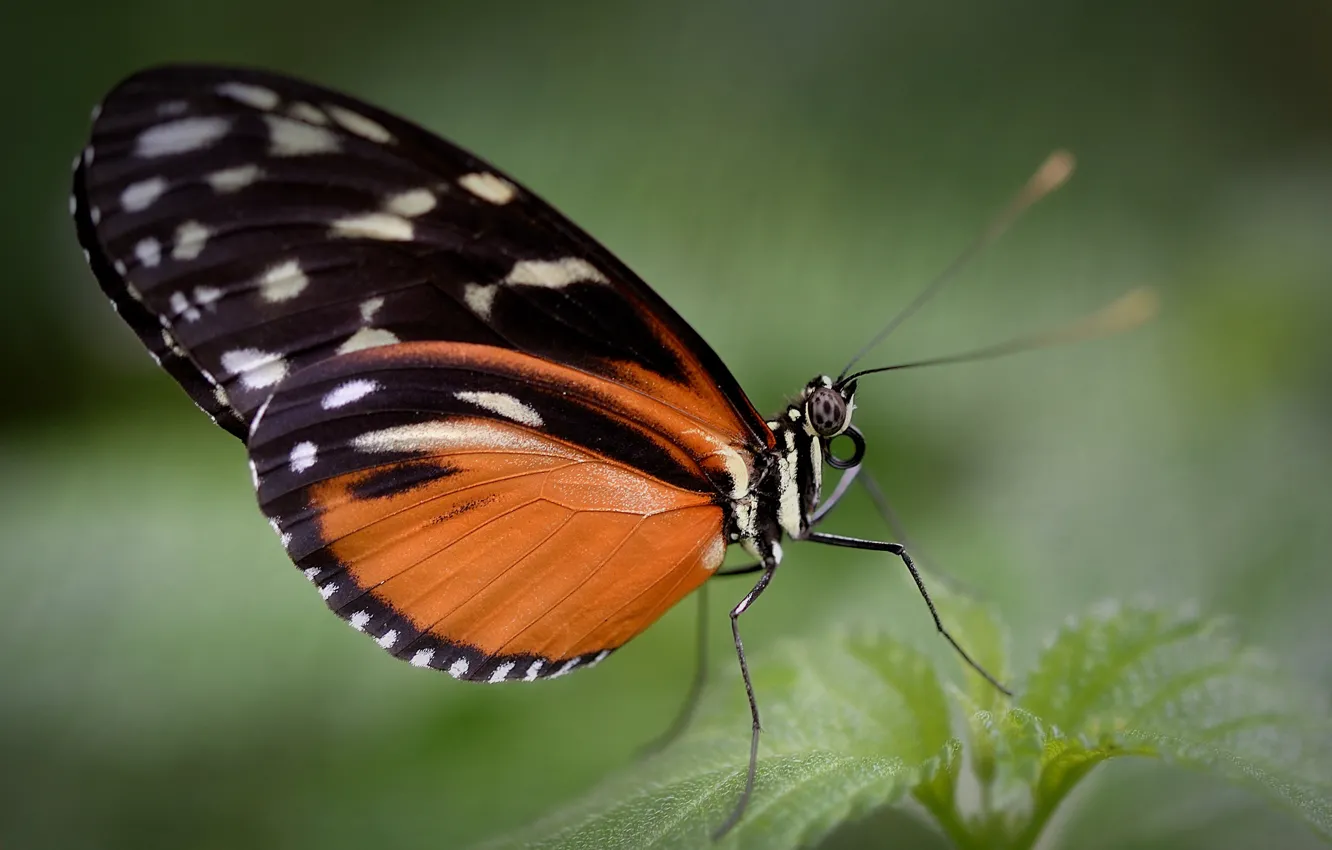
x: 858, y: 721
x: 786, y: 180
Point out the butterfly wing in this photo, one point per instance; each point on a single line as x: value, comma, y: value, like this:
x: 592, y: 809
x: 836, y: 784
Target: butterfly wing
x: 488, y: 513
x: 248, y: 225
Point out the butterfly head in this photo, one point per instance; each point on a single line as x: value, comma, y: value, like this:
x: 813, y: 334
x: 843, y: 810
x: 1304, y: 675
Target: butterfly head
x: 805, y: 434
x: 828, y: 407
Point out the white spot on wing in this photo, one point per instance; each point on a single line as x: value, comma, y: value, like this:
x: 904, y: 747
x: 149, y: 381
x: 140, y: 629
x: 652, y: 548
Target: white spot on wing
x: 489, y: 187
x: 141, y: 195
x: 190, y: 240
x: 311, y: 573
x: 387, y: 639
x: 349, y: 392
x: 480, y: 298
x: 737, y: 469
x: 207, y: 296
x: 283, y: 281
x: 357, y: 123
x: 370, y: 306
x: 182, y: 307
x: 303, y: 456
x: 148, y: 251
x: 360, y: 620
x: 411, y: 203
x: 258, y: 414
x: 307, y: 113
x: 449, y: 434
x: 170, y: 342
x: 255, y: 368
x: 250, y: 95
x: 180, y: 136
x: 328, y: 590
x: 565, y: 668
x: 367, y: 338
x: 554, y: 273
x: 458, y: 669
x: 533, y: 669
x: 390, y: 228
x: 734, y: 464
x: 714, y: 554
x: 422, y: 657
x: 289, y: 137
x: 501, y: 673
x: 233, y: 179
x: 503, y: 404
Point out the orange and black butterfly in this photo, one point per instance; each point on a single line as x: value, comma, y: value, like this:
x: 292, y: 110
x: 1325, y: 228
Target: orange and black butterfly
x: 486, y: 442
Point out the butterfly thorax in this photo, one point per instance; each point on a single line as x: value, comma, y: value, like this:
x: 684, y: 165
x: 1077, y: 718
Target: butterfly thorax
x: 789, y: 485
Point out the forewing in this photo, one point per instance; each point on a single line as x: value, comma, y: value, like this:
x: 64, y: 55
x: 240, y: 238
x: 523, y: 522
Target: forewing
x: 247, y: 224
x: 484, y: 512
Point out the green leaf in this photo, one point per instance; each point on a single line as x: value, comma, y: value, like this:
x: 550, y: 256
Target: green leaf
x: 857, y: 721
x: 1139, y: 681
x: 851, y: 722
x: 975, y: 628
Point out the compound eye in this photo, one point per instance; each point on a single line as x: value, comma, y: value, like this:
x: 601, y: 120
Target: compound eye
x: 826, y: 410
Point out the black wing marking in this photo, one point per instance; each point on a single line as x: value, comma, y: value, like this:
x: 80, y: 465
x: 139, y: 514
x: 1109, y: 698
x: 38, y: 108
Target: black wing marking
x: 470, y: 507
x: 248, y: 225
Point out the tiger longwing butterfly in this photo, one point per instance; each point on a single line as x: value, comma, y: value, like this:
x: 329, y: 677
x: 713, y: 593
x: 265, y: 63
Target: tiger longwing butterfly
x: 486, y: 442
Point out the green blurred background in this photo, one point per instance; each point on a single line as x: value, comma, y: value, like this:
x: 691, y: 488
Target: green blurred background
x: 786, y: 175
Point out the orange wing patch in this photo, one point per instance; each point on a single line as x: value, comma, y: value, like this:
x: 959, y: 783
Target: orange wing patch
x: 514, y: 545
x: 678, y: 425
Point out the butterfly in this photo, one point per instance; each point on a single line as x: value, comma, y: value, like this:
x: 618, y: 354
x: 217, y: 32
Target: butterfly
x: 485, y: 441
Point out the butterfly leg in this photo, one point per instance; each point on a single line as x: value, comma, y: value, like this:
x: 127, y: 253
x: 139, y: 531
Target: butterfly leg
x: 894, y: 522
x: 687, y: 710
x: 843, y: 484
x: 769, y: 567
x: 738, y: 571
x: 900, y: 551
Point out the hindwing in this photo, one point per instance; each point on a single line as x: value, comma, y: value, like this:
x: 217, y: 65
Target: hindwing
x: 488, y: 513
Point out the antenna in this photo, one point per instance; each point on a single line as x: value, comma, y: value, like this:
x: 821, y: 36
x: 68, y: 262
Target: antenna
x: 1050, y: 176
x: 1130, y: 310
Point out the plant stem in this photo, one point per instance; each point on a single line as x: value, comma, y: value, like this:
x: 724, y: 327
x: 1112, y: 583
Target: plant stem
x: 950, y: 823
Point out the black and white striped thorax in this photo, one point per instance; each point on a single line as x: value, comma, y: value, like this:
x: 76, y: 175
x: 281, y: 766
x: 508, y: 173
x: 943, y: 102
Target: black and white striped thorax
x: 789, y: 478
